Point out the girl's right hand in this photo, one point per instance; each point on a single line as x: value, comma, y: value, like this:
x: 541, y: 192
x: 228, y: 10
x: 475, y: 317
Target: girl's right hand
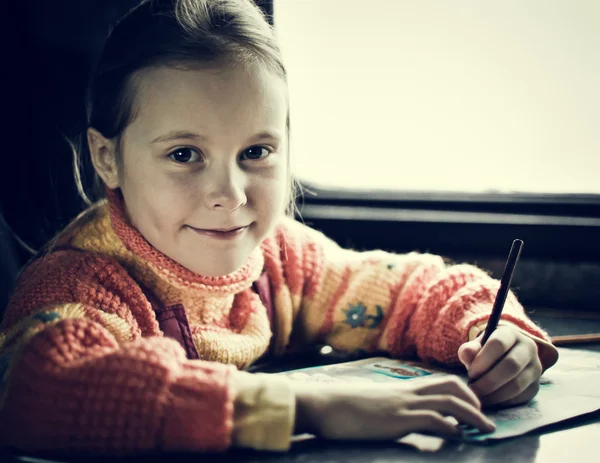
x: 387, y: 411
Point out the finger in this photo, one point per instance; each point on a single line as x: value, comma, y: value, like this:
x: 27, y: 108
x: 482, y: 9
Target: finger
x: 468, y: 351
x: 515, y: 387
x: 525, y: 396
x: 449, y: 385
x: 449, y: 405
x: 430, y: 422
x: 499, y: 343
x: 507, y: 369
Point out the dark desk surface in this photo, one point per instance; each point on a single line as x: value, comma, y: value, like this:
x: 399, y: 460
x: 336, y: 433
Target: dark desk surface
x: 574, y: 441
x: 559, y: 444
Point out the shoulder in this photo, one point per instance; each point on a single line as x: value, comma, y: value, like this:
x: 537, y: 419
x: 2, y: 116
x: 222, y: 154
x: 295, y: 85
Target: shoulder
x: 294, y: 254
x: 292, y: 233
x: 291, y: 241
x: 72, y: 276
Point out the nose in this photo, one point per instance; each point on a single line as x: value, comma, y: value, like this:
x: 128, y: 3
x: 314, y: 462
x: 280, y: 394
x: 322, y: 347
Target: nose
x: 226, y: 189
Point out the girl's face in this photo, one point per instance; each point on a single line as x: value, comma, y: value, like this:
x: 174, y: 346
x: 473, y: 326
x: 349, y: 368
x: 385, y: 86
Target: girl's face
x: 204, y: 163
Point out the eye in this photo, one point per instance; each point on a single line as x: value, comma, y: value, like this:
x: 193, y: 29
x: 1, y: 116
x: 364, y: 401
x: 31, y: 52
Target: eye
x: 185, y: 155
x: 254, y: 153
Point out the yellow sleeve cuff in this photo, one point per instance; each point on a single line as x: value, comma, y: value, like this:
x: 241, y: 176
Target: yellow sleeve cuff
x: 477, y: 329
x: 264, y: 411
x: 547, y: 353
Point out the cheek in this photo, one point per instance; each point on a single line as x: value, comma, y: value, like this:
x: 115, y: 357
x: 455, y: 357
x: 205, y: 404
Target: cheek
x: 270, y: 194
x: 175, y: 201
x: 158, y: 202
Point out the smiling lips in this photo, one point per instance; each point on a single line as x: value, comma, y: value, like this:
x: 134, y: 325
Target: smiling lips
x: 222, y: 233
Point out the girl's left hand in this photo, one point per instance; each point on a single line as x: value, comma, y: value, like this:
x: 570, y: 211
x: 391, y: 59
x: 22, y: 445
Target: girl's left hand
x: 506, y: 371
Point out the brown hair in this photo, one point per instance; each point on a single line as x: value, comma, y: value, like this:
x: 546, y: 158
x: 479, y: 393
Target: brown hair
x: 176, y: 33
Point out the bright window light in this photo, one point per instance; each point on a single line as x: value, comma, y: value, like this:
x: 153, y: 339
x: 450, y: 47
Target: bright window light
x: 444, y: 95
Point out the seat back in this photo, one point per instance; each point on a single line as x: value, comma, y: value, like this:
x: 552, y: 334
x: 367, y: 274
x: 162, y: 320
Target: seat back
x: 10, y: 263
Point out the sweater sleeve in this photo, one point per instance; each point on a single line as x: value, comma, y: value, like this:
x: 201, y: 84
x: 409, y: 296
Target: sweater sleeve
x: 404, y: 305
x: 95, y: 375
x: 68, y: 384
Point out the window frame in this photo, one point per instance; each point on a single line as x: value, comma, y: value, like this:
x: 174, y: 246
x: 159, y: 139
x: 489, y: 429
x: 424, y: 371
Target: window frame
x: 553, y: 226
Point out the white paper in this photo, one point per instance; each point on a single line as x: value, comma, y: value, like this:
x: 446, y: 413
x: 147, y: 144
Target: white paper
x: 570, y: 388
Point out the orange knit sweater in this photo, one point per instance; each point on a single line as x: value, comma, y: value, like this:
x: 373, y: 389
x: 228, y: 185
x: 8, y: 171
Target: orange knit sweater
x: 108, y: 345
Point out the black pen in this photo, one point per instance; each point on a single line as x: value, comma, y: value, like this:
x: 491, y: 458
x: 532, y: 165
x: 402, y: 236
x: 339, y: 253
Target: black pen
x: 509, y: 270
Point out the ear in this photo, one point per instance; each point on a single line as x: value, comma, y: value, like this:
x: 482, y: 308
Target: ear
x: 104, y: 157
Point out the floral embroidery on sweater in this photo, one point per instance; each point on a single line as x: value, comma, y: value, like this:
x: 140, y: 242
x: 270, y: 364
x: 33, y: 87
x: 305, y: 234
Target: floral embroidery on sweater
x: 357, y: 317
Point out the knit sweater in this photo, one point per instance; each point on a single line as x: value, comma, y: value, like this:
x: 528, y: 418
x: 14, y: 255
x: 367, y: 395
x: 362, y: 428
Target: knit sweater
x: 108, y: 345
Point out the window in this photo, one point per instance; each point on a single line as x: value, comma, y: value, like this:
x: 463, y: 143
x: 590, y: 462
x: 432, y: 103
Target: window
x: 470, y: 96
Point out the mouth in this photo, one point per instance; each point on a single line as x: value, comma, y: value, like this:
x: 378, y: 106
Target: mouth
x: 221, y: 233
x: 224, y: 230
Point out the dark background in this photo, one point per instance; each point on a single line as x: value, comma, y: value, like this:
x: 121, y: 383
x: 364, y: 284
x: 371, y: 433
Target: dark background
x: 50, y: 50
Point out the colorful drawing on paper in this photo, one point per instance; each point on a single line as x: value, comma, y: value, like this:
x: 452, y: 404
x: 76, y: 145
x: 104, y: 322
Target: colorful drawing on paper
x: 398, y: 370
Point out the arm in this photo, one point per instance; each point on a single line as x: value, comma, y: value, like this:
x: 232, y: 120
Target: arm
x: 69, y: 385
x: 401, y: 304
x: 77, y: 376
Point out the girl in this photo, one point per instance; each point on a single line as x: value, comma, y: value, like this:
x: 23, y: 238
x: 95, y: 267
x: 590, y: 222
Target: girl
x: 133, y: 330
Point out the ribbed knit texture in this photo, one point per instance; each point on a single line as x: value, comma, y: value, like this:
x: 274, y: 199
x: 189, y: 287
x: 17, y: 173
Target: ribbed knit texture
x: 84, y: 365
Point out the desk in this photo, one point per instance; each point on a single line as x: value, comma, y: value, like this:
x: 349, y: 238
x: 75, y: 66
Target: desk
x: 575, y: 441
x: 560, y: 444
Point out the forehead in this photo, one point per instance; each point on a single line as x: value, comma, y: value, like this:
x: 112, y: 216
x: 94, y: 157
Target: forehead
x: 247, y: 98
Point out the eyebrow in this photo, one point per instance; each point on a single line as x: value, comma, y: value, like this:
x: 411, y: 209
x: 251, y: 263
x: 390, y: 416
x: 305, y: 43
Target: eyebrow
x: 266, y: 135
x: 186, y: 135
x: 178, y: 135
